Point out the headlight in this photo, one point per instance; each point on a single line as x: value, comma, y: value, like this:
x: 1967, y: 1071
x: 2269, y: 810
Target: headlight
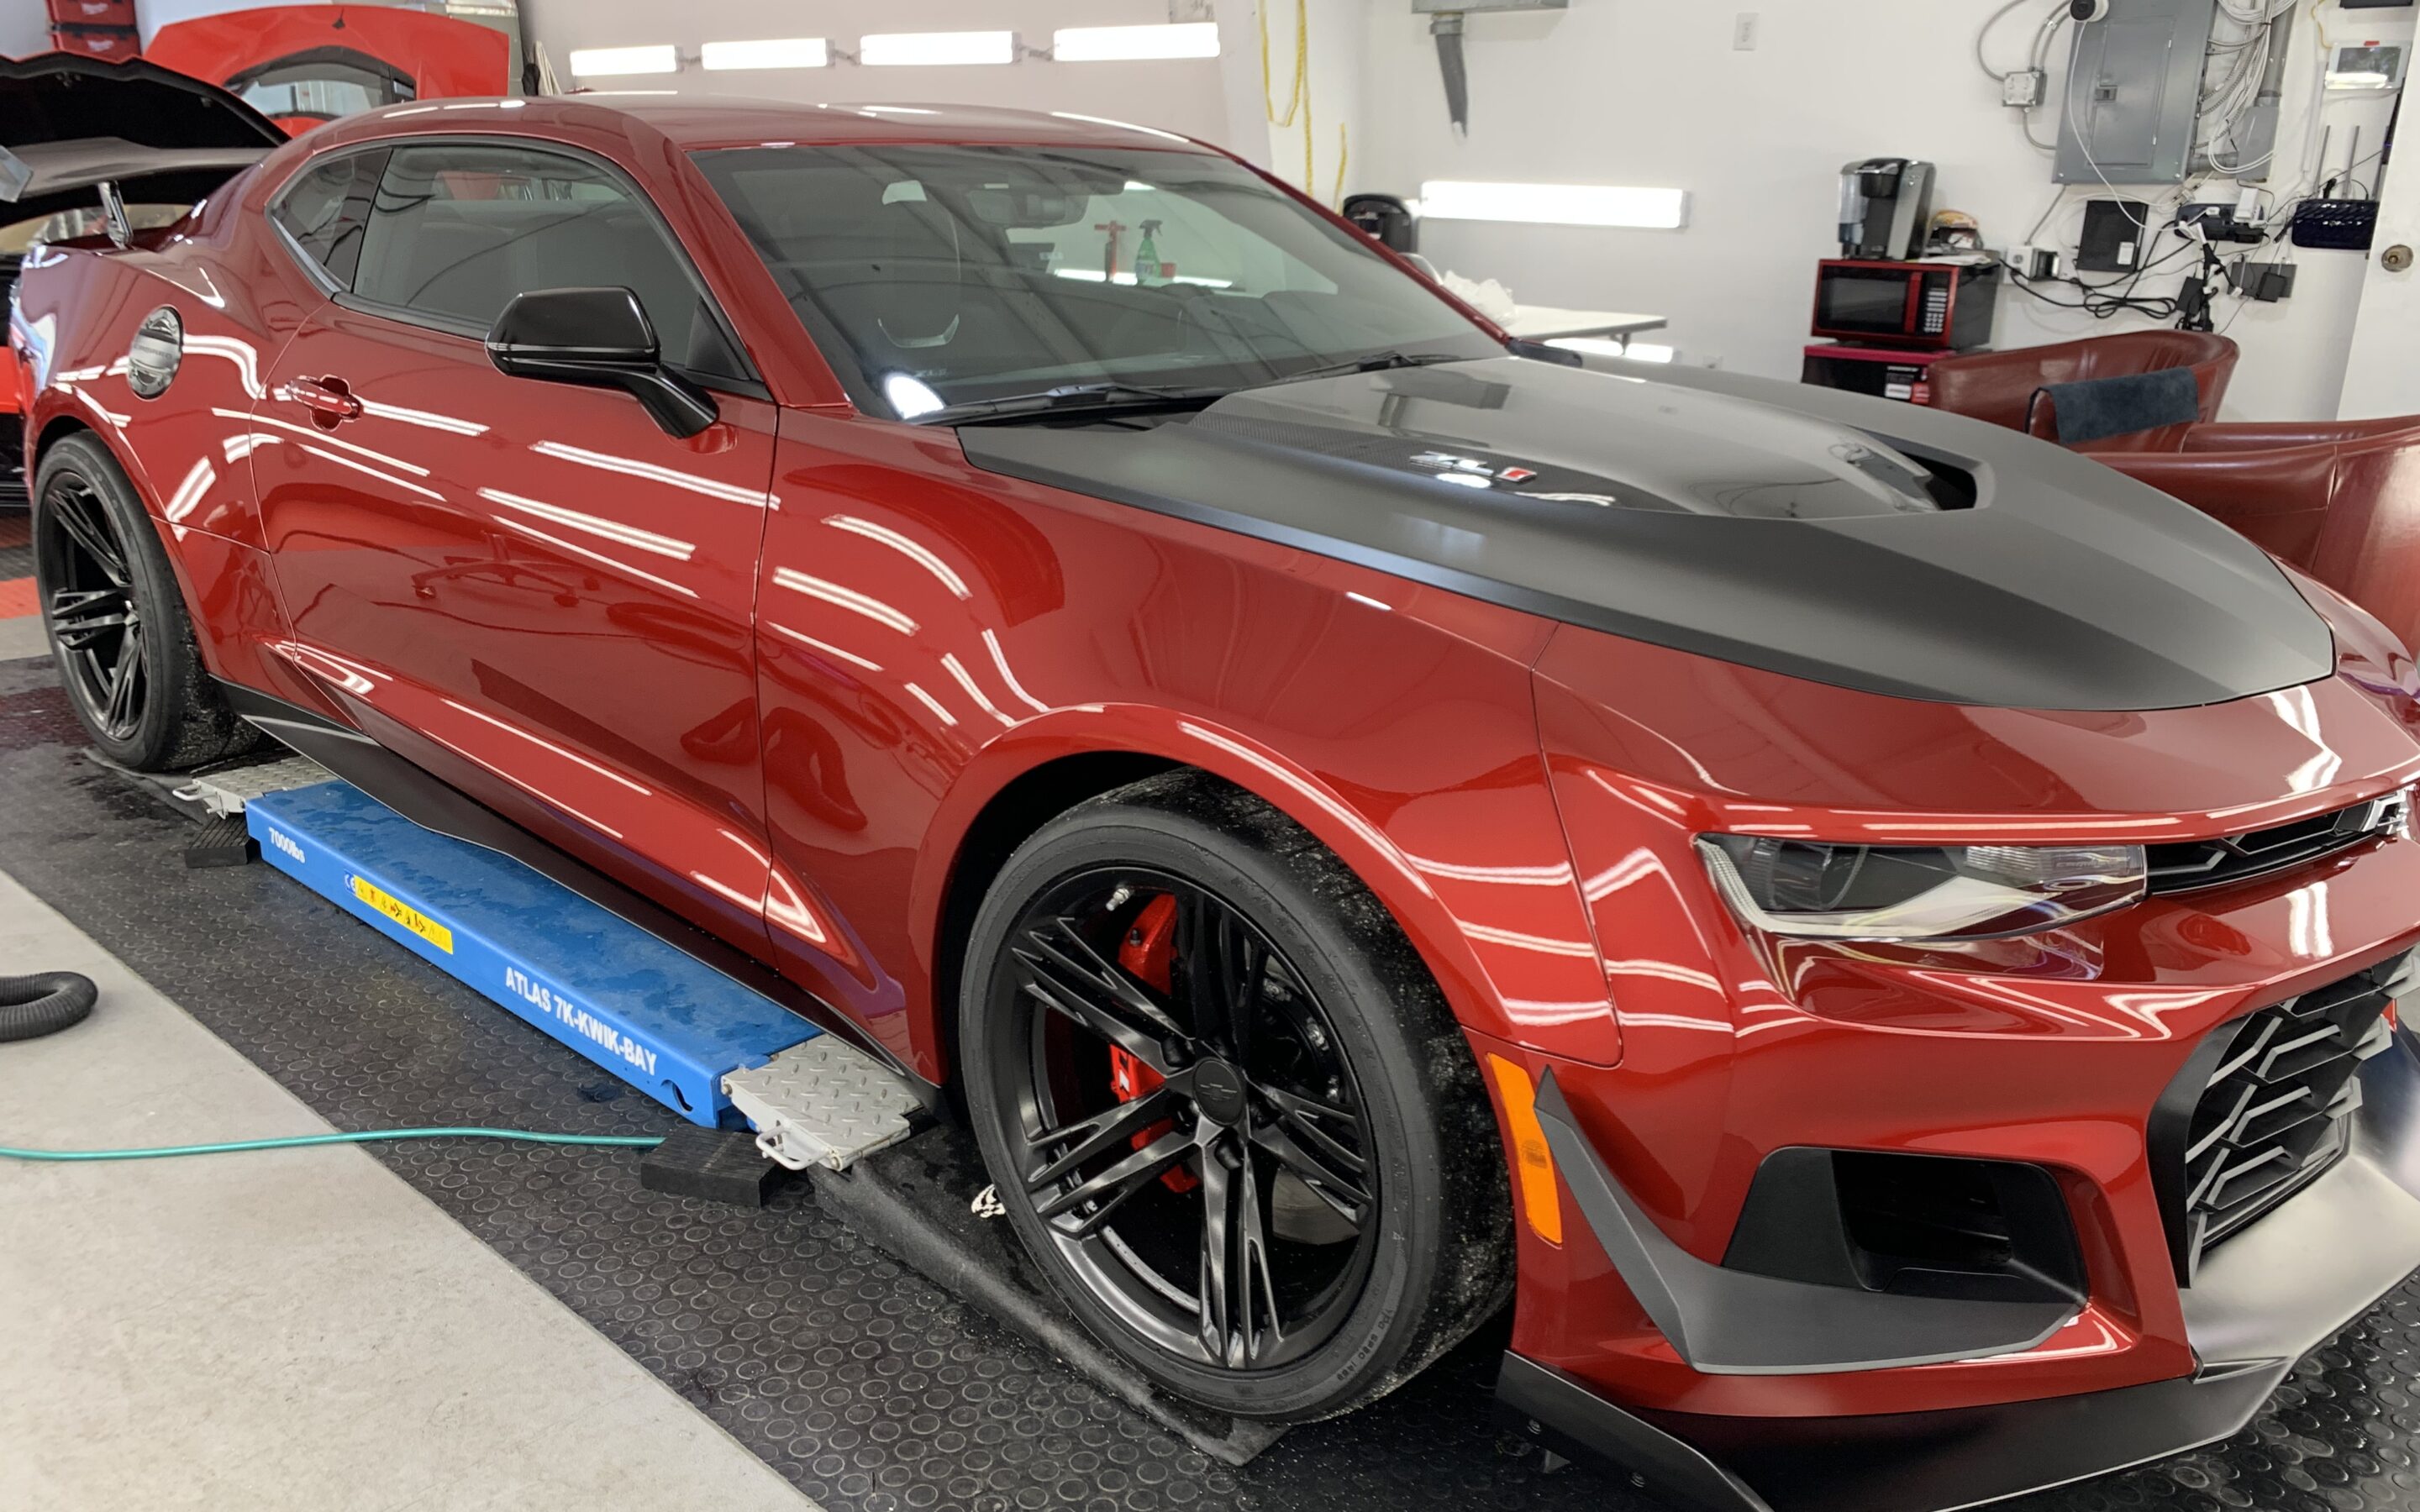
x: 1938, y: 892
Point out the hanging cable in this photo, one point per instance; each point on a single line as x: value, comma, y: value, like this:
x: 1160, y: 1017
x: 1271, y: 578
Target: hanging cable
x: 1984, y: 34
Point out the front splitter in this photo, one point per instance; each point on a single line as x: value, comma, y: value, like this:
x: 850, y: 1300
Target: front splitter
x: 2272, y: 1295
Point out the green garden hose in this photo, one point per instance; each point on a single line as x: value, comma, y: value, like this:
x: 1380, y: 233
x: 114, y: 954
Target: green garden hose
x: 47, y: 1003
x: 304, y: 1141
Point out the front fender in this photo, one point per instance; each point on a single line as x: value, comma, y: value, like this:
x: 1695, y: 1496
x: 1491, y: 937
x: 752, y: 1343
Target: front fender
x: 1505, y: 936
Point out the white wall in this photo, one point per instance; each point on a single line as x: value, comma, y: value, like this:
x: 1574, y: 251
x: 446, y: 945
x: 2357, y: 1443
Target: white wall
x: 24, y: 29
x: 1186, y: 95
x: 1311, y: 140
x: 1649, y: 92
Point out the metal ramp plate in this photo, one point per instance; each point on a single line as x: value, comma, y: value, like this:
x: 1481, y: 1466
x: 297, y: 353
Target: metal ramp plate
x: 226, y: 792
x: 824, y: 1102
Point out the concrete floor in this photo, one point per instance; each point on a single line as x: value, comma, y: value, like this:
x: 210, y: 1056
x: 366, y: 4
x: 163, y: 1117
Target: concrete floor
x: 21, y: 635
x: 287, y: 1328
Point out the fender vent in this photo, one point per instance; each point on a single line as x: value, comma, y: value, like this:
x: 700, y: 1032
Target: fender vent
x: 2264, y: 1108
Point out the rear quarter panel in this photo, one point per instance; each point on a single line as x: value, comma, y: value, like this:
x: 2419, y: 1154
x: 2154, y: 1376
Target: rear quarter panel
x: 188, y: 452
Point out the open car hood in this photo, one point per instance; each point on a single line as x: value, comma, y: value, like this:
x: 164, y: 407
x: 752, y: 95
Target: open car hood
x: 392, y: 54
x: 68, y: 124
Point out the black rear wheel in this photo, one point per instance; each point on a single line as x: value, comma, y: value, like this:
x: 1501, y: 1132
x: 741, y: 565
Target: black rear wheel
x: 1226, y: 1107
x: 117, y: 620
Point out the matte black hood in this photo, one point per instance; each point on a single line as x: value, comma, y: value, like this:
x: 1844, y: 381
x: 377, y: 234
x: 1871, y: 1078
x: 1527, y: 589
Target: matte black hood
x: 68, y: 124
x: 1850, y: 540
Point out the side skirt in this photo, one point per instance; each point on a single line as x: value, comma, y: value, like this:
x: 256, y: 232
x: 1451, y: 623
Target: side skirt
x: 434, y: 805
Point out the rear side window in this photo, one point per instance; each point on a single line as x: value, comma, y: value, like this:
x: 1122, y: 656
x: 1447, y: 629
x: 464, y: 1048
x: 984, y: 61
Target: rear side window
x: 457, y: 229
x: 326, y: 208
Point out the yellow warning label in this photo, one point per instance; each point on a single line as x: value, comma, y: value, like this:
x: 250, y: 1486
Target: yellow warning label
x: 405, y: 915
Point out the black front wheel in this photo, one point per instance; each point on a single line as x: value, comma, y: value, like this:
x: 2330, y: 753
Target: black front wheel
x: 1226, y: 1107
x: 116, y: 619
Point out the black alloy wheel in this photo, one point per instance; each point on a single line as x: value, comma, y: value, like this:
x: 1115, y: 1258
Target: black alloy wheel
x: 88, y: 582
x: 1252, y: 1258
x: 1225, y: 1107
x: 116, y: 619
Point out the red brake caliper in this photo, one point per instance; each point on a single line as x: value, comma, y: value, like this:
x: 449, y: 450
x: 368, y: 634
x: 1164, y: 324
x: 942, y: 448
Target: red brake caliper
x: 1149, y: 953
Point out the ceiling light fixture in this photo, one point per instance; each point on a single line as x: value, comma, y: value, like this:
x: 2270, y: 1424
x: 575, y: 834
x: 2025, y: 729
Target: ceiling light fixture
x: 770, y: 53
x: 1126, y: 45
x: 1635, y: 351
x: 896, y: 50
x: 1649, y: 209
x: 603, y: 62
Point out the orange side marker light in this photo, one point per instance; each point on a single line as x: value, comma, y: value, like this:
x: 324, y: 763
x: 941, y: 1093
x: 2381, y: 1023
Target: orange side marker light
x: 1541, y: 1200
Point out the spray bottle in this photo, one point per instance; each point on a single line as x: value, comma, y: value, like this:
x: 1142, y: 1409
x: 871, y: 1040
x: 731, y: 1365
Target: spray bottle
x: 1147, y: 256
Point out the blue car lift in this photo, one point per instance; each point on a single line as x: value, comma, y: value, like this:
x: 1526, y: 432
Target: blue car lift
x: 712, y: 1050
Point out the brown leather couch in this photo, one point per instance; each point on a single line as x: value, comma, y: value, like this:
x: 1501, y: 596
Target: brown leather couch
x: 2339, y: 499
x: 2000, y: 386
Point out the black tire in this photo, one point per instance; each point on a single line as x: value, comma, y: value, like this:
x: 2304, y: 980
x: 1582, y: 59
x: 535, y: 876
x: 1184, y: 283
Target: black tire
x: 117, y: 623
x: 1346, y: 1042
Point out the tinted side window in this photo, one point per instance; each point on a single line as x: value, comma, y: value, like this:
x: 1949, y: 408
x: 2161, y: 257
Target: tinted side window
x: 325, y: 208
x: 457, y: 230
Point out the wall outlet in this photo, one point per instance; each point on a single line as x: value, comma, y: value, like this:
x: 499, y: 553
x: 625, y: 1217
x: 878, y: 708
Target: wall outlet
x: 1746, y: 27
x: 2034, y: 262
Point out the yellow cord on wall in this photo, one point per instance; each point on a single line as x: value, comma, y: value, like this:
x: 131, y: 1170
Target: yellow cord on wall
x: 1297, y: 106
x: 1298, y: 93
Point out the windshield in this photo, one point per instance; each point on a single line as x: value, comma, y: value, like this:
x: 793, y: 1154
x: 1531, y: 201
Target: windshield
x: 948, y: 275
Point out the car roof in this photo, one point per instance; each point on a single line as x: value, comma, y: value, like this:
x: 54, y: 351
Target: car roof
x: 695, y: 121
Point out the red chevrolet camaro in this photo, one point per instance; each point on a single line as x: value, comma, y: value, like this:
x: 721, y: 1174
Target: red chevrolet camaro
x: 1879, y: 933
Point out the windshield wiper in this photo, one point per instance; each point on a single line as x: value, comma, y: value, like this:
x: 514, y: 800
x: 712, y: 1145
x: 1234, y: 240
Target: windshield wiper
x: 1069, y: 397
x: 1111, y: 395
x: 1377, y: 363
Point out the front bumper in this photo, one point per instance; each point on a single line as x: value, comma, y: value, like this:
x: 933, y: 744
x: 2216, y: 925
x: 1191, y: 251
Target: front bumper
x: 2261, y: 1300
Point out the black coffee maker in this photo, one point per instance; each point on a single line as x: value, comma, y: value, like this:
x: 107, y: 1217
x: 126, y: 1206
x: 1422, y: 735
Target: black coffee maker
x: 1886, y: 208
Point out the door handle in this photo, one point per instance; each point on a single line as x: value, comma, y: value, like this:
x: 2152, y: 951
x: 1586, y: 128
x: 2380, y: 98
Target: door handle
x: 329, y: 399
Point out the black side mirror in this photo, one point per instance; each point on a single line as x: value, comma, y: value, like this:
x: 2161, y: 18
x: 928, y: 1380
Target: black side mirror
x: 600, y: 338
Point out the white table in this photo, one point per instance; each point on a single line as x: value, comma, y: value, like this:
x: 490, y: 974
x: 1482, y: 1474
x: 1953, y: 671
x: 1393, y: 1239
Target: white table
x: 1544, y: 322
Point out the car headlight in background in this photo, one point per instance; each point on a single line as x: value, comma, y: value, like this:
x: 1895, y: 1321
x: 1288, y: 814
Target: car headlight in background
x: 1934, y: 892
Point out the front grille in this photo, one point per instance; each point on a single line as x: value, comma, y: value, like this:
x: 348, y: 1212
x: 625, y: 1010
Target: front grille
x: 2265, y: 1107
x: 2190, y: 865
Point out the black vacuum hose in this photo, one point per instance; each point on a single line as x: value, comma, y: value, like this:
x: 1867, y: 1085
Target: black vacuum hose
x: 45, y: 1003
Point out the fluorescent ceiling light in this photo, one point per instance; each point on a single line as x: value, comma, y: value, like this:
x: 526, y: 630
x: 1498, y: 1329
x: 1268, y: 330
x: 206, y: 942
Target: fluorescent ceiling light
x: 772, y: 52
x: 1120, y: 44
x: 891, y: 50
x: 597, y: 62
x: 1638, y: 352
x: 1655, y: 209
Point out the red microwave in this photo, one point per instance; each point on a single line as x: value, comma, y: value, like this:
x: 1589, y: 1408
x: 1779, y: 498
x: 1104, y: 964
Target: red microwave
x: 1930, y: 306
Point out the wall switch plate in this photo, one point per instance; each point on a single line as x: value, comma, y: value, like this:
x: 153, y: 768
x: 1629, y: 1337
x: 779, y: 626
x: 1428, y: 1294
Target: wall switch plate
x: 2024, y: 89
x: 1745, y: 30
